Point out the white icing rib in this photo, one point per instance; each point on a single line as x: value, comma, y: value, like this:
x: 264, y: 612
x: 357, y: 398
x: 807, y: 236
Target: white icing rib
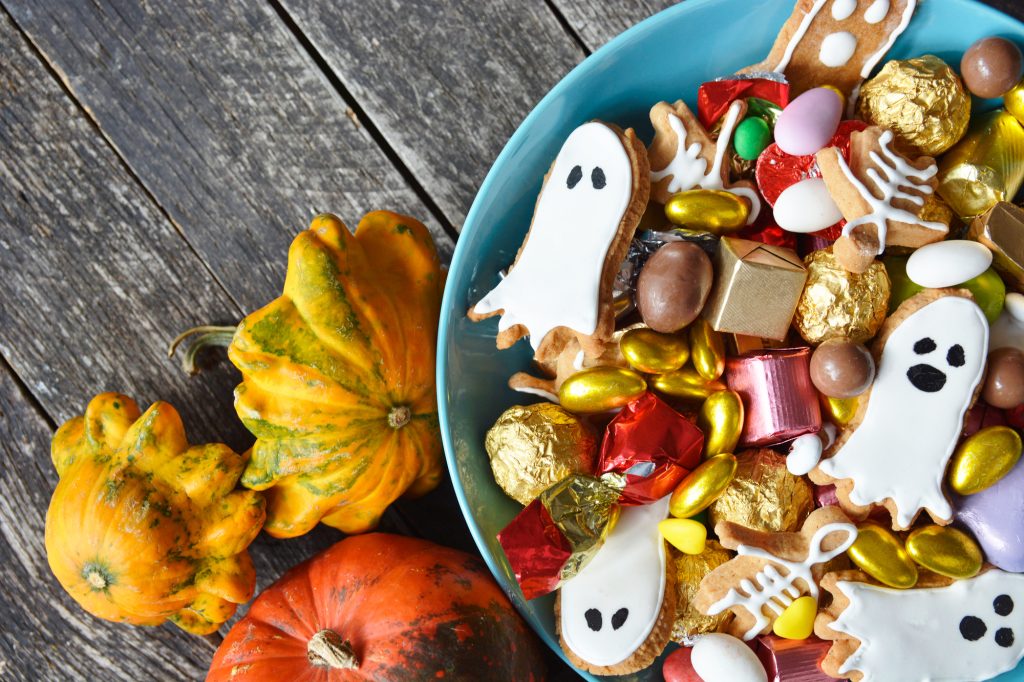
x: 801, y: 31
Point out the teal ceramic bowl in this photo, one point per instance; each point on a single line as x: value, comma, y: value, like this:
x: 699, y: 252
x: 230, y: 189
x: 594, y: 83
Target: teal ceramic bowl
x: 664, y: 58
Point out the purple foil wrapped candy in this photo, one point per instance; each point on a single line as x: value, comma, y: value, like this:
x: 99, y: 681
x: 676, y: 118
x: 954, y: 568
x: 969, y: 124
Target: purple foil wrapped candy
x: 996, y: 518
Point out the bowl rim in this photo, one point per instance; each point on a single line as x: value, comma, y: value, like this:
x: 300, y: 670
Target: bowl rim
x: 590, y: 63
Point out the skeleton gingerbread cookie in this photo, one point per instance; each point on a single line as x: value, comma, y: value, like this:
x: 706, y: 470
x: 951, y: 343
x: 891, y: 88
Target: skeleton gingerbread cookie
x: 836, y: 42
x: 586, y: 213
x: 683, y: 156
x: 930, y: 358
x: 616, y: 615
x: 956, y: 632
x: 771, y: 570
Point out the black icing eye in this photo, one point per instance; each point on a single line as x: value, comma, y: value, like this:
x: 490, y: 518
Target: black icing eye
x: 575, y: 175
x: 620, y: 617
x: 955, y: 356
x: 973, y: 628
x: 593, y: 616
x: 1003, y: 605
x: 1004, y: 637
x: 923, y: 346
x: 597, y: 178
x: 926, y: 378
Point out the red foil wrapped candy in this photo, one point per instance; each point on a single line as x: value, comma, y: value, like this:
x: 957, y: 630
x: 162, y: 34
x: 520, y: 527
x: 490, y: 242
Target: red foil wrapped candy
x: 714, y: 97
x: 779, y: 399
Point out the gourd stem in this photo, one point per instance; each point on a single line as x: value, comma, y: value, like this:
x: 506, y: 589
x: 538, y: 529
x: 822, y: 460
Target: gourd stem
x: 399, y: 416
x: 326, y: 649
x: 205, y: 337
x: 96, y: 579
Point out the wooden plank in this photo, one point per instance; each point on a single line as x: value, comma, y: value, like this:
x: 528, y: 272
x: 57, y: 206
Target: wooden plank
x: 46, y: 635
x: 227, y: 122
x: 596, y: 21
x: 446, y: 83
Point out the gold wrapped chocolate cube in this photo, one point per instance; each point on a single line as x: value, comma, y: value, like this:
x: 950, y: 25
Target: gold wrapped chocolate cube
x: 1001, y: 229
x: 756, y: 290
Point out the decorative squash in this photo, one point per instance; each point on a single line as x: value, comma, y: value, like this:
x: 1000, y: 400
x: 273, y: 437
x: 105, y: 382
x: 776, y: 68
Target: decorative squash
x: 381, y: 607
x: 338, y: 376
x: 143, y: 528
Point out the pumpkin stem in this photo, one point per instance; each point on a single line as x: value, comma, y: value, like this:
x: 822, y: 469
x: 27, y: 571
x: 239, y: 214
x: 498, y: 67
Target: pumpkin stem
x: 326, y: 649
x: 399, y: 416
x: 206, y: 336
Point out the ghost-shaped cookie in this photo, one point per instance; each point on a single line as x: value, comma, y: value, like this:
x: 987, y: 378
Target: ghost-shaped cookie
x: 587, y: 211
x: 616, y: 615
x: 969, y: 630
x: 930, y: 355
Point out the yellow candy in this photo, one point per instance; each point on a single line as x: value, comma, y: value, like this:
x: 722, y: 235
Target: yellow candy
x: 797, y: 621
x: 686, y: 535
x: 687, y: 384
x: 878, y: 553
x: 984, y: 458
x: 652, y: 352
x: 840, y: 410
x: 707, y: 347
x: 714, y: 210
x: 945, y: 550
x: 1014, y: 101
x: 842, y: 97
x: 721, y: 420
x: 599, y: 389
x: 702, y: 486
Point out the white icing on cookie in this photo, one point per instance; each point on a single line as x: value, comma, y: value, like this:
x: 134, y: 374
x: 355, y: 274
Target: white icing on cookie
x: 776, y: 590
x: 930, y: 367
x: 547, y: 395
x: 799, y: 34
x: 687, y: 168
x: 875, y: 14
x: 610, y: 608
x: 843, y: 9
x: 877, y: 11
x: 922, y: 635
x: 556, y: 281
x: 895, y: 174
x: 577, y: 362
x: 837, y: 48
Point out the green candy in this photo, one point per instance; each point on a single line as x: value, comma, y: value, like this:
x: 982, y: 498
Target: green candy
x: 988, y: 288
x: 751, y: 137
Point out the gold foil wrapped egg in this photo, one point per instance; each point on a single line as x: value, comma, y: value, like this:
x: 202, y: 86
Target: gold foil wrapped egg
x: 881, y: 555
x: 533, y: 446
x: 945, y: 550
x: 984, y: 458
x: 702, y: 486
x: 840, y: 411
x: 721, y: 420
x: 599, y: 389
x: 985, y: 167
x: 707, y: 349
x: 837, y: 303
x: 1013, y: 101
x: 690, y: 570
x: 713, y: 210
x: 921, y: 100
x: 686, y: 384
x: 763, y: 495
x: 653, y: 352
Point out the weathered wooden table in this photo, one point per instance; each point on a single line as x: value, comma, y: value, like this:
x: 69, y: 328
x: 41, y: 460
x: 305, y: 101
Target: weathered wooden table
x: 156, y: 159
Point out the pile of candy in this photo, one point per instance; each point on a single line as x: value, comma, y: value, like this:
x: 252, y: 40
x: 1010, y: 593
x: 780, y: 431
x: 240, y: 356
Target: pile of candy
x: 782, y: 373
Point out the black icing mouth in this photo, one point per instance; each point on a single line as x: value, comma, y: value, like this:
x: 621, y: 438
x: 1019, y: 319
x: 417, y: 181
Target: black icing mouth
x: 926, y: 378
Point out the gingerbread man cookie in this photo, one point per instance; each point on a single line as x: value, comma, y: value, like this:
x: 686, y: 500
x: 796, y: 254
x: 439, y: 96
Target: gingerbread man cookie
x: 882, y: 195
x: 942, y: 629
x: 930, y: 356
x: 586, y: 213
x: 836, y: 42
x: 771, y: 570
x: 683, y: 156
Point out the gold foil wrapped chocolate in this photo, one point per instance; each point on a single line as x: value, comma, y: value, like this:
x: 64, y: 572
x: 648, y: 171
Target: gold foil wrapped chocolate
x: 921, y: 100
x: 763, y: 495
x: 985, y: 167
x: 534, y: 446
x: 1001, y: 229
x: 690, y: 570
x: 838, y: 303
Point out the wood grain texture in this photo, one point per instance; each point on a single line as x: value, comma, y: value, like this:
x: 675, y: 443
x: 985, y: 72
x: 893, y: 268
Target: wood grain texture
x: 596, y: 21
x: 226, y: 121
x: 446, y: 83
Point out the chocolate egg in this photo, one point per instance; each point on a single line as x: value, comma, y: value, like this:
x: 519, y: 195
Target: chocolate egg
x: 673, y: 286
x: 841, y: 368
x: 991, y: 67
x: 1004, y: 383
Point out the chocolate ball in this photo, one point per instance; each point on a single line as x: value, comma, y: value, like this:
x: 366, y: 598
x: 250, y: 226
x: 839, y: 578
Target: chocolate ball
x: 991, y: 67
x: 673, y: 286
x: 1004, y: 383
x: 841, y: 368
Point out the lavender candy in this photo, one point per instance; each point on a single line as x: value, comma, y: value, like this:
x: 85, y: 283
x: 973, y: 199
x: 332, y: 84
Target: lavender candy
x: 996, y: 518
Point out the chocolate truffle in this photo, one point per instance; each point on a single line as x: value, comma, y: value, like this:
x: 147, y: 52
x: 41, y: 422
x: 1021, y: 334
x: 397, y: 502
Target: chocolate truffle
x: 1004, y: 383
x: 841, y: 368
x: 673, y: 286
x: 991, y: 67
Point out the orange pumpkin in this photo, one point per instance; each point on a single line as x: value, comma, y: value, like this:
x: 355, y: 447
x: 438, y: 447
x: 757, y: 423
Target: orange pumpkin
x: 381, y: 607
